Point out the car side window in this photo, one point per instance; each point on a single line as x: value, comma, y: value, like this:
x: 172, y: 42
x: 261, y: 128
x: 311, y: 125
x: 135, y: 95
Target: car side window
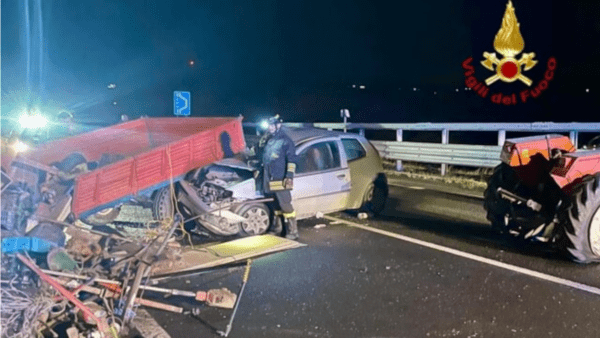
x: 318, y: 157
x: 354, y: 150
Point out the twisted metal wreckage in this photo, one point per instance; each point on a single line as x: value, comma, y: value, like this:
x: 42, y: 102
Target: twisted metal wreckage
x: 87, y: 236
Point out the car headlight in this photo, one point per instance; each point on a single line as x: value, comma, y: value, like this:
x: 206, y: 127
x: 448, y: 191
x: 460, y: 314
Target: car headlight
x: 34, y: 121
x: 264, y: 124
x: 20, y: 146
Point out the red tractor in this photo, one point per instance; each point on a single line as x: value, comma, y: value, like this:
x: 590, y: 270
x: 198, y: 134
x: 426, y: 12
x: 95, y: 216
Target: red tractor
x: 546, y: 190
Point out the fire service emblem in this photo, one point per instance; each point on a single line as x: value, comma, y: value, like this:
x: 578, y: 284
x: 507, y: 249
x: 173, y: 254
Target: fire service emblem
x: 509, y: 68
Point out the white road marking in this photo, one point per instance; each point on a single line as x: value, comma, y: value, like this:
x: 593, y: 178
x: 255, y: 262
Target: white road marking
x: 480, y: 259
x: 415, y: 187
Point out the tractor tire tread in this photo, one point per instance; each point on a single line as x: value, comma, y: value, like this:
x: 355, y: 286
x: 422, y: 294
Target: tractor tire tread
x: 585, y: 201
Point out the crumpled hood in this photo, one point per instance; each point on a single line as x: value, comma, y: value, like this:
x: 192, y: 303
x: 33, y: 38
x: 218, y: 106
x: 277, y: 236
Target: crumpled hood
x: 234, y: 163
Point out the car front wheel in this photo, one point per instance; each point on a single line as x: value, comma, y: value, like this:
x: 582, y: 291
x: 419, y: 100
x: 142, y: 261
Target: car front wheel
x: 257, y: 219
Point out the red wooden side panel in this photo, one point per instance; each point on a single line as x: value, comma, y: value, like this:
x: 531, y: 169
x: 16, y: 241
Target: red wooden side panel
x: 114, y: 182
x: 127, y: 139
x: 129, y: 176
x: 148, y: 169
x: 179, y: 157
x: 235, y: 134
x: 199, y: 152
x: 85, y: 189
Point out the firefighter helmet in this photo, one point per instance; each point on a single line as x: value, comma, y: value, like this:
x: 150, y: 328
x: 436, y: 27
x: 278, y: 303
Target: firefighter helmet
x: 274, y: 120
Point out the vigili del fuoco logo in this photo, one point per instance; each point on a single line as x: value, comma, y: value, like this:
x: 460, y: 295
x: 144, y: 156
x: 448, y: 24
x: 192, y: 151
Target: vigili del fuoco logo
x: 509, y: 44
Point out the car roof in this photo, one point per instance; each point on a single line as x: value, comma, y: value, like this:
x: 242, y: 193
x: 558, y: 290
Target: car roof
x: 302, y: 135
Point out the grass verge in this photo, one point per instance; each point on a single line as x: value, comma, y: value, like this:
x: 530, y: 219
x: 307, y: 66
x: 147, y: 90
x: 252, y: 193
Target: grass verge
x: 470, y: 179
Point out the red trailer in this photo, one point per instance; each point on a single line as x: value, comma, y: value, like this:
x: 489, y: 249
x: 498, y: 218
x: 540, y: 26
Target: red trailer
x: 148, y: 152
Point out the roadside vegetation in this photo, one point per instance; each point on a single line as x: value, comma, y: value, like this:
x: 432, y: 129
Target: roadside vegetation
x: 469, y: 178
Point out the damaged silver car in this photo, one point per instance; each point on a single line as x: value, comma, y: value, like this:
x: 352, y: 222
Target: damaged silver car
x: 336, y: 171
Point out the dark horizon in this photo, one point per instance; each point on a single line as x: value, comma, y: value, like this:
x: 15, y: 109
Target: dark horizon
x: 298, y: 59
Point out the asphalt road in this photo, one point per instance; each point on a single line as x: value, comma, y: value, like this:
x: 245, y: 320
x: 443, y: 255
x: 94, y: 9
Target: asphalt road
x: 438, y: 270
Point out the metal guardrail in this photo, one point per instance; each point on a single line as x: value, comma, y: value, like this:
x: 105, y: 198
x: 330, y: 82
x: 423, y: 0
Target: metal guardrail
x: 453, y: 154
x: 450, y: 154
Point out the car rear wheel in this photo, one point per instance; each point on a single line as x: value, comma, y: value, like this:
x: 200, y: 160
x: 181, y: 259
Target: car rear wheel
x: 375, y: 198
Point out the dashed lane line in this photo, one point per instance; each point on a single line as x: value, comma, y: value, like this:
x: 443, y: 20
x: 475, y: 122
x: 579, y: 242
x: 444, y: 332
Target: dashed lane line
x: 536, y: 274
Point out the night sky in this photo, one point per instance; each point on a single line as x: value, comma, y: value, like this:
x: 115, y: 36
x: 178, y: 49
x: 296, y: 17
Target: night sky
x: 296, y: 58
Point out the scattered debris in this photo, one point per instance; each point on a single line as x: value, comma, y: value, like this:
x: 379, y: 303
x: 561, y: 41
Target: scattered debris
x: 22, y: 305
x: 96, y: 284
x: 75, y: 264
x: 244, y: 281
x: 319, y: 214
x: 319, y: 226
x: 362, y: 215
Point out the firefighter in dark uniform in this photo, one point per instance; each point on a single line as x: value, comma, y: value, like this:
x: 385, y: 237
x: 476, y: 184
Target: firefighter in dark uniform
x: 279, y: 166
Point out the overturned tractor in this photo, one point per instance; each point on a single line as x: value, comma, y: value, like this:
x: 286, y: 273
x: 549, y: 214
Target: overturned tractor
x: 546, y: 190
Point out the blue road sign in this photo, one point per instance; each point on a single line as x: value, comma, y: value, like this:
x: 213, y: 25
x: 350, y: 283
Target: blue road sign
x: 182, y: 103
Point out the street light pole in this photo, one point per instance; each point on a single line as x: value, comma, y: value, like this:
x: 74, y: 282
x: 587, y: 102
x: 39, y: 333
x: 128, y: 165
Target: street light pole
x: 345, y: 113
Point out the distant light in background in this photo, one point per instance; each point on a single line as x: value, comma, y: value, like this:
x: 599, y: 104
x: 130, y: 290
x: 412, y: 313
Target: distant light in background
x: 457, y: 89
x: 587, y: 90
x: 114, y: 103
x: 112, y: 86
x: 414, y: 89
x: 434, y: 93
x: 353, y: 86
x: 32, y: 121
x: 20, y: 147
x: 191, y: 63
x: 362, y: 87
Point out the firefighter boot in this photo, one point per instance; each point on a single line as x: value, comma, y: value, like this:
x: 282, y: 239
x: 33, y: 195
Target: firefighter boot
x: 276, y: 227
x: 291, y: 228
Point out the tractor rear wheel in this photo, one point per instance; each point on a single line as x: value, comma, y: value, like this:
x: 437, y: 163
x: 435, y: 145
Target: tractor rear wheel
x: 582, y: 222
x: 496, y: 207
